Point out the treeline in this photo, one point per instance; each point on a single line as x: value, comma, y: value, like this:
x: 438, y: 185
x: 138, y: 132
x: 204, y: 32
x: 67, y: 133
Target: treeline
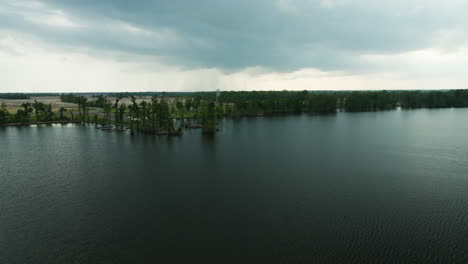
x: 433, y: 99
x: 367, y: 101
x: 148, y: 94
x: 13, y: 96
x: 137, y: 95
x: 24, y: 96
x: 384, y: 100
x: 269, y: 102
x: 71, y: 98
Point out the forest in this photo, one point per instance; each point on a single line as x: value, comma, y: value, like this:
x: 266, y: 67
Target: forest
x: 169, y: 113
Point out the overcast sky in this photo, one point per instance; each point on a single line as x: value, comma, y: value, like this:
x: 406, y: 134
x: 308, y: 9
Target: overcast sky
x: 175, y: 45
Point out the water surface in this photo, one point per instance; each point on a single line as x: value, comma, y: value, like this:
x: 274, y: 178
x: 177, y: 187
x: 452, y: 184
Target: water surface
x: 346, y: 188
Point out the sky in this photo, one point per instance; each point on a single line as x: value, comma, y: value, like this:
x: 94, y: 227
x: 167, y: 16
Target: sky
x: 203, y: 45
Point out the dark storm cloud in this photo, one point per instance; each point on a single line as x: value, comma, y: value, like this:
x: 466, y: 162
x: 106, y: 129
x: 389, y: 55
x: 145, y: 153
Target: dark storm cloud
x: 279, y: 35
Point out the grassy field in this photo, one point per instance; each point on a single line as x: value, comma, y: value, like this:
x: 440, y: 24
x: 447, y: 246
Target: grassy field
x: 13, y: 105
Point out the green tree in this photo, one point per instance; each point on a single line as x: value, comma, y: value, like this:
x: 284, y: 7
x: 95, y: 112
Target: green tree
x: 62, y: 110
x: 22, y: 115
x: 188, y: 104
x: 116, y: 107
x: 134, y: 115
x: 181, y: 109
x: 122, y: 109
x: 4, y: 114
x: 155, y: 113
x: 82, y: 108
x: 38, y: 108
x: 165, y: 119
x: 49, y: 114
x: 196, y: 104
x: 107, y: 105
x: 208, y: 117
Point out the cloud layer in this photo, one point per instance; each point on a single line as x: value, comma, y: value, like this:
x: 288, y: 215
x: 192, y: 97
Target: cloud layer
x: 237, y: 44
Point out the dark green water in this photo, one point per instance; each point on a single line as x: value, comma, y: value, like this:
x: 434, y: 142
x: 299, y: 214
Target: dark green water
x: 381, y: 187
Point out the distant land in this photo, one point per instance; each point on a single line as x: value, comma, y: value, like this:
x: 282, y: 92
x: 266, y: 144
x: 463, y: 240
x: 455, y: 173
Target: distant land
x: 171, y: 113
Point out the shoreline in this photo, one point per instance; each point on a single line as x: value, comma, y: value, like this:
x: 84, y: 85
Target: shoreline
x: 42, y: 123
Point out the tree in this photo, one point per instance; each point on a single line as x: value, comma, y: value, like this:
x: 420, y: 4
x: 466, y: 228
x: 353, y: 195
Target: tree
x: 155, y: 113
x: 49, y: 113
x: 196, y: 103
x: 188, y: 104
x: 121, y: 112
x: 165, y: 119
x: 82, y: 108
x: 4, y: 114
x: 107, y: 104
x: 38, y: 107
x: 116, y: 107
x: 208, y: 117
x: 62, y: 110
x: 23, y: 114
x: 144, y: 116
x: 134, y: 114
x: 180, y: 108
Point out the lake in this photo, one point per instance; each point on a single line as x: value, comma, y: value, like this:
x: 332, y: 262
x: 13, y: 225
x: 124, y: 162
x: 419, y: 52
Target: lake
x: 347, y: 188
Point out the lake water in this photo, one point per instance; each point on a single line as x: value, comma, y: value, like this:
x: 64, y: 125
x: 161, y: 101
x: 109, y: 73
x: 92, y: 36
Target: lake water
x: 346, y: 188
